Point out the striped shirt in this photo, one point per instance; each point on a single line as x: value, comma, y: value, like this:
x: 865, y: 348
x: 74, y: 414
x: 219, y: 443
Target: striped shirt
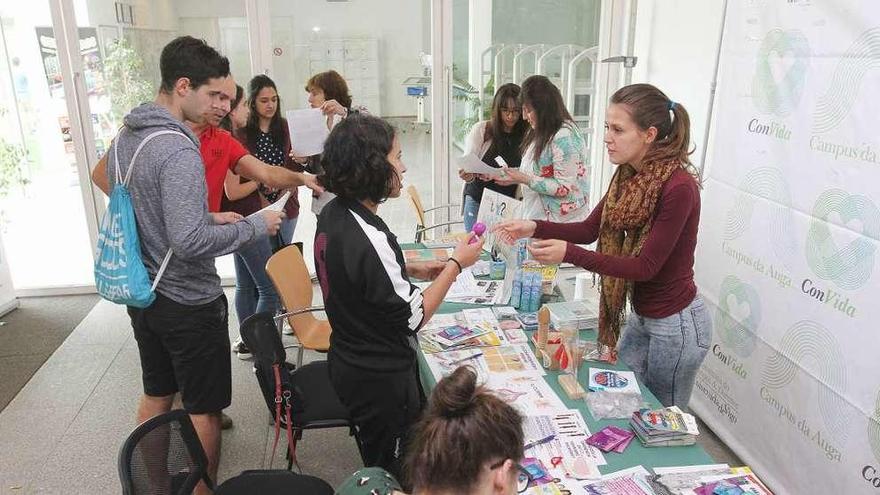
x: 372, y: 306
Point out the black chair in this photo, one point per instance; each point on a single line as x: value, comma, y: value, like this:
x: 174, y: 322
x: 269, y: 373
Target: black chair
x: 271, y: 481
x: 163, y: 455
x: 313, y: 402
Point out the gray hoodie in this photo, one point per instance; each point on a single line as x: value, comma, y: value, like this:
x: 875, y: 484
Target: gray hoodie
x: 170, y: 202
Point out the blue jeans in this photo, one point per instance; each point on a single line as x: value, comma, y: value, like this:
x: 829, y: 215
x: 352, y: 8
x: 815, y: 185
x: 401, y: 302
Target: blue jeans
x: 288, y: 225
x: 254, y: 292
x: 471, y: 208
x: 665, y: 353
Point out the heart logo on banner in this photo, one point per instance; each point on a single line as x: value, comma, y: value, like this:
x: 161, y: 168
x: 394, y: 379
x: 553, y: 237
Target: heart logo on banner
x: 835, y: 254
x: 738, y: 310
x: 780, y: 64
x: 738, y: 316
x: 782, y: 61
x: 851, y: 227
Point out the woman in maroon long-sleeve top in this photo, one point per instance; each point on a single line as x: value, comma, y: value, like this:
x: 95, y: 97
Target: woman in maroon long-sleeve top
x: 646, y: 227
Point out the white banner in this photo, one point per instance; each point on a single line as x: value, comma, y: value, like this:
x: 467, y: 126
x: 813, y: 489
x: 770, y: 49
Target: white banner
x: 788, y: 245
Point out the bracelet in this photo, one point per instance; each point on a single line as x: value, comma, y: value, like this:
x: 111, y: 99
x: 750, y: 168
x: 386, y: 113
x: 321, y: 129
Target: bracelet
x: 456, y: 263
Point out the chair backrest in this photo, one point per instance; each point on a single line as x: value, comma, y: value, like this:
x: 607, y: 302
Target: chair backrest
x: 273, y: 481
x: 416, y: 201
x: 290, y: 276
x: 163, y: 455
x: 260, y: 335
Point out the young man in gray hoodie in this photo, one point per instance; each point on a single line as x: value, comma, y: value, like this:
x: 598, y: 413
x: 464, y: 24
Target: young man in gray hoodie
x: 183, y: 337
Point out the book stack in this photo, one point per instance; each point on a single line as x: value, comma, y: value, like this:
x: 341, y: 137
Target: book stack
x: 572, y: 315
x: 665, y: 427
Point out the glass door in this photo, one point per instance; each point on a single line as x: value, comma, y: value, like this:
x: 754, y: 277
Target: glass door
x: 42, y: 212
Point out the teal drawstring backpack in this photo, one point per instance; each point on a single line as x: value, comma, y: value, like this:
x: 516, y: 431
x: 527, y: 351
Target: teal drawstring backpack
x: 120, y: 274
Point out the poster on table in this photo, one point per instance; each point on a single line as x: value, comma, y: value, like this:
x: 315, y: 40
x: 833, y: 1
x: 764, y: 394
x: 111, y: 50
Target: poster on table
x: 496, y: 207
x: 788, y: 245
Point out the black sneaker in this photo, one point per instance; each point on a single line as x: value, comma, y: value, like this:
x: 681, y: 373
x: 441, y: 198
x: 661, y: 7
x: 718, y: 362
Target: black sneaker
x: 241, y: 350
x: 225, y: 421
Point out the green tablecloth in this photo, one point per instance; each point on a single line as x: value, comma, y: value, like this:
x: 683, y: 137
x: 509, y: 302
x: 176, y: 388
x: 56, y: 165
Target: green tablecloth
x: 635, y: 454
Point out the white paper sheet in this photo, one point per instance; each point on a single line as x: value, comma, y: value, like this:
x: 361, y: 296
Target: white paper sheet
x: 276, y: 206
x: 308, y: 131
x: 471, y: 163
x: 529, y: 394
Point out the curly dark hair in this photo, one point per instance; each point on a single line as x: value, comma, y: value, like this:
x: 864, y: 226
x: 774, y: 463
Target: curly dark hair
x: 355, y: 159
x: 333, y: 86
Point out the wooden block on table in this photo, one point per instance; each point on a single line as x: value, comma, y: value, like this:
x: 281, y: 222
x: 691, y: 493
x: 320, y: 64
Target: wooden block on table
x: 571, y: 387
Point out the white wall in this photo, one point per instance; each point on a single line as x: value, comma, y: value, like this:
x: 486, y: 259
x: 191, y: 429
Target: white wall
x: 677, y: 42
x: 148, y: 14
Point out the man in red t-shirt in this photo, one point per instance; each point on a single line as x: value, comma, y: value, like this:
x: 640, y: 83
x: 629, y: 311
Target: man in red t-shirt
x: 221, y: 152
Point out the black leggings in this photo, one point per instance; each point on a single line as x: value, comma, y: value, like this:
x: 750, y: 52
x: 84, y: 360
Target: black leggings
x: 383, y: 407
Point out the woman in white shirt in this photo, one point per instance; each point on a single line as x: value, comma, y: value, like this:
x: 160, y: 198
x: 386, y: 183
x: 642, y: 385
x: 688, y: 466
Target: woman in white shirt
x: 502, y: 136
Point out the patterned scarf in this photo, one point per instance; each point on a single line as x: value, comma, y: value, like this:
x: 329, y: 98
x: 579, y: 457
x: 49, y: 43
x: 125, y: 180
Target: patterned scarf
x: 627, y: 217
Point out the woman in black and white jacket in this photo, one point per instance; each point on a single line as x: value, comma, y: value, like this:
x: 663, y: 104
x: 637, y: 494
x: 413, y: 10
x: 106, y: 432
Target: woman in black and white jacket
x: 372, y: 306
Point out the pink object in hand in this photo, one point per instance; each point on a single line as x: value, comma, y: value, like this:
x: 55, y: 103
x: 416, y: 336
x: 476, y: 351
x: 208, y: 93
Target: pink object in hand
x: 479, y: 229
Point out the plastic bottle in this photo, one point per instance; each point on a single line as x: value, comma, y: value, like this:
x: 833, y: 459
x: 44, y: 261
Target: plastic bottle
x: 535, y: 292
x: 516, y: 291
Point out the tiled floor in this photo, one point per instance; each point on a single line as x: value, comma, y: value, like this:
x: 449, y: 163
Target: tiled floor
x: 61, y: 434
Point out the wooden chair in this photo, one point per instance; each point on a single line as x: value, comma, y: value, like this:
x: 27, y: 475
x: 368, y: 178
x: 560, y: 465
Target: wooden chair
x: 291, y: 279
x: 416, y: 201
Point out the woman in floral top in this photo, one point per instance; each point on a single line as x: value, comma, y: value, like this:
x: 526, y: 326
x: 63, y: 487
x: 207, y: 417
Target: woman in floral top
x: 554, y: 170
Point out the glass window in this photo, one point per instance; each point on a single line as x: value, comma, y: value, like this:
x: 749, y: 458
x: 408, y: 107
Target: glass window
x: 379, y: 47
x: 124, y: 72
x: 505, y: 41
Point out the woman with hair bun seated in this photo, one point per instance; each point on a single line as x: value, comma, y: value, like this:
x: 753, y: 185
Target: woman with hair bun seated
x: 467, y: 442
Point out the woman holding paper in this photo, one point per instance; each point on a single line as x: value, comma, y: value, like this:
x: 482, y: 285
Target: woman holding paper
x: 554, y: 169
x: 502, y: 136
x: 267, y: 137
x: 646, y: 226
x: 329, y: 92
x: 373, y: 308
